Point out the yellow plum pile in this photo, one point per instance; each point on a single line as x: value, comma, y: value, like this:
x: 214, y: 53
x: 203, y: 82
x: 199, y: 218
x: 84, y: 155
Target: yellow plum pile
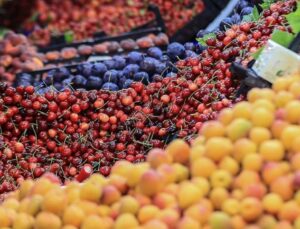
x: 243, y: 171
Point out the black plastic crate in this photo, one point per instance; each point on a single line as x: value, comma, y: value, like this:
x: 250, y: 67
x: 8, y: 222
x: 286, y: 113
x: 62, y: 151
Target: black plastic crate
x: 61, y: 39
x: 200, y: 21
x: 221, y: 4
x: 295, y: 45
x: 156, y: 26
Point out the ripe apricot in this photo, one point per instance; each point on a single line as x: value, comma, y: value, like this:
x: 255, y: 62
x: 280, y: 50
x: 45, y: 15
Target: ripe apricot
x: 179, y: 151
x: 283, y: 186
x: 277, y: 128
x: 4, y: 218
x: 242, y: 110
x: 259, y: 135
x: 231, y: 206
x: 73, y: 215
x: 199, y: 212
x: 134, y: 173
x: 128, y: 204
x: 218, y: 196
x: 295, y: 161
x: 237, y: 222
x: 11, y: 203
x: 110, y: 195
x: 288, y: 135
x: 188, y: 194
x: 126, y: 221
x: 47, y: 220
x: 271, y: 171
x: 226, y: 116
x: 282, y: 98
x: 246, y: 177
x: 294, y: 89
x: 253, y: 95
x: 293, y: 111
x: 182, y: 172
x: 243, y: 147
x: 151, y: 182
x: 264, y: 103
x: 230, y: 165
x: 25, y: 188
x: 218, y: 220
x: 202, y: 184
x: 155, y: 223
x: 257, y: 190
x: 91, y: 192
x: 196, y: 152
x: 251, y: 208
x: 168, y: 172
x: 165, y: 200
x: 289, y: 211
x: 23, y: 221
x: 282, y: 84
x: 272, y: 150
x: 252, y: 162
x: 55, y: 201
x: 217, y: 148
x: 92, y: 221
x: 147, y: 213
x: 212, y: 129
x: 188, y: 222
x: 221, y: 179
x: 203, y: 167
x: 238, y: 128
x: 262, y: 117
x: 156, y: 157
x: 169, y: 217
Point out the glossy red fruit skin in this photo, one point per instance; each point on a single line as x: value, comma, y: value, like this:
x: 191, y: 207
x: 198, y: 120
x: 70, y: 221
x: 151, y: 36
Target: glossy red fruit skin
x: 84, y: 173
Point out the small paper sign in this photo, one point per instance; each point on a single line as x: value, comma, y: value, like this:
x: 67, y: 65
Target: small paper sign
x: 276, y: 61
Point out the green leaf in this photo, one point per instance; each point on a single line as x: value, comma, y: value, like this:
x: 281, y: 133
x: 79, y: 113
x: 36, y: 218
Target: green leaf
x: 247, y: 18
x: 203, y: 40
x: 282, y: 37
x: 34, y: 17
x: 3, y: 31
x: 294, y: 19
x: 257, y: 53
x: 142, y: 12
x: 69, y: 37
x: 254, y: 16
x: 266, y: 4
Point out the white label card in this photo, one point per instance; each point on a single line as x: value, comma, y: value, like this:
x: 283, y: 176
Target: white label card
x: 276, y: 61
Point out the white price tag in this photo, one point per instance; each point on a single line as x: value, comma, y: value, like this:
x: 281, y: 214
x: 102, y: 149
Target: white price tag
x: 276, y: 61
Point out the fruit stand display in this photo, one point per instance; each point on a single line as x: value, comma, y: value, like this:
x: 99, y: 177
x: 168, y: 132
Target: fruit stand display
x: 88, y: 17
x: 242, y: 171
x: 135, y: 130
